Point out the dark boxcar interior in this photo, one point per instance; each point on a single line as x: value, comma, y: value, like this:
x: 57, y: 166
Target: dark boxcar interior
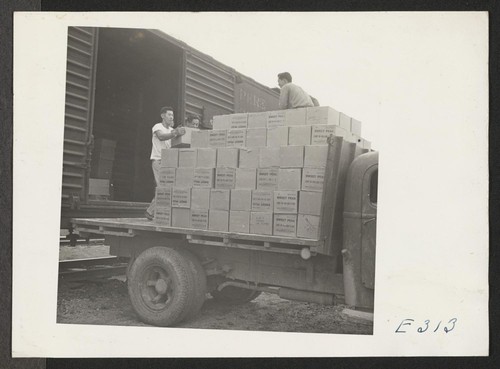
x: 137, y: 73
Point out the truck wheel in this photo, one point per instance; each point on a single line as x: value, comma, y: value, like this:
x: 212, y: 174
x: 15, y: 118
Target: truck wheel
x: 160, y: 286
x: 235, y: 295
x: 200, y: 284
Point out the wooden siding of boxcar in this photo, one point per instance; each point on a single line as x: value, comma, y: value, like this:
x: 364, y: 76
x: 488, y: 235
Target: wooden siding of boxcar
x: 80, y: 81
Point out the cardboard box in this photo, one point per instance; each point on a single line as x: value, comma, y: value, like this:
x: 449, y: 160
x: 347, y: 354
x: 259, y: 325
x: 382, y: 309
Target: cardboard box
x: 167, y: 177
x: 295, y: 117
x: 291, y: 156
x: 206, y: 158
x: 286, y: 202
x: 227, y: 157
x: 277, y: 136
x: 236, y: 137
x: 289, y: 179
x: 170, y: 158
x: 322, y: 115
x: 217, y: 138
x: 163, y: 216
x: 257, y: 120
x: 246, y: 178
x: 104, y: 149
x: 256, y: 137
x: 238, y: 121
x: 310, y: 202
x: 262, y: 200
x: 219, y: 199
x: 218, y: 220
x: 313, y: 179
x: 204, y: 178
x: 200, y: 198
x: 221, y: 122
x: 184, y: 177
x: 101, y: 168
x: 320, y: 133
x: 269, y: 157
x: 285, y: 225
x: 181, y: 217
x: 249, y: 157
x: 163, y: 197
x: 225, y: 178
x: 299, y: 135
x: 200, y: 138
x: 239, y: 221
x: 241, y: 200
x: 308, y: 226
x: 181, y: 197
x: 276, y: 118
x: 315, y: 156
x: 345, y: 122
x: 187, y: 158
x: 98, y: 187
x: 261, y: 223
x: 356, y: 126
x: 199, y: 218
x: 185, y: 139
x: 267, y: 178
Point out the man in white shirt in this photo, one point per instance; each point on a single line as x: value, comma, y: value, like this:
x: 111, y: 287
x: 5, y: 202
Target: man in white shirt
x: 162, y: 134
x: 291, y: 95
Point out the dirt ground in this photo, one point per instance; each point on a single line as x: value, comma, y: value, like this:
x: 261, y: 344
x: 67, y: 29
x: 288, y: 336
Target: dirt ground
x: 106, y: 302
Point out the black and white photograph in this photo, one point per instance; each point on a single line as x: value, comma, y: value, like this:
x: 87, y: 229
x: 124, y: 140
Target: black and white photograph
x: 214, y: 177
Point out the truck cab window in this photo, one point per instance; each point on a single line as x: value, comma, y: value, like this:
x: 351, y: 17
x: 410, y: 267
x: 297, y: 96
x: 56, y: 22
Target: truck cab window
x: 374, y: 187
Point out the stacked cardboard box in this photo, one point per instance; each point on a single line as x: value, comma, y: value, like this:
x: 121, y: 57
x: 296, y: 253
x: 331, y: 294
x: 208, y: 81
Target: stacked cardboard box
x: 260, y: 173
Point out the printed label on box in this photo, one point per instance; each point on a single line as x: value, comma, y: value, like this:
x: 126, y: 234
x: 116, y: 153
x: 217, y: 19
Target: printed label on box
x: 199, y: 218
x: 200, y: 198
x: 256, y: 137
x: 181, y: 197
x: 246, y: 178
x: 167, y: 177
x: 308, y: 226
x: 219, y: 199
x: 206, y: 158
x: 285, y: 225
x: 267, y: 178
x: 286, y: 202
x: 241, y: 200
x: 187, y: 158
x: 163, y: 197
x: 239, y: 221
x: 238, y: 121
x: 217, y: 138
x: 320, y: 133
x: 236, y: 137
x: 276, y: 118
x: 261, y: 223
x: 184, y: 177
x: 262, y: 200
x: 170, y: 158
x: 313, y: 179
x: 225, y: 178
x: 163, y: 215
x: 203, y: 178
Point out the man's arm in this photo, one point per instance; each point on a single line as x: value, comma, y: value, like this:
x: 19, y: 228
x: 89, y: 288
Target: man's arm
x: 284, y: 97
x: 168, y: 136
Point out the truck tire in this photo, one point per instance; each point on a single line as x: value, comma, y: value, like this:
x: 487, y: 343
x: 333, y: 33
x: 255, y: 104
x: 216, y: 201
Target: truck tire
x: 160, y: 286
x: 200, y: 284
x: 235, y: 295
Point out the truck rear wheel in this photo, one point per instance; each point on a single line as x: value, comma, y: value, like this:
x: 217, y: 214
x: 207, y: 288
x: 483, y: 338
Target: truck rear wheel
x: 200, y: 284
x: 160, y: 286
x: 235, y: 295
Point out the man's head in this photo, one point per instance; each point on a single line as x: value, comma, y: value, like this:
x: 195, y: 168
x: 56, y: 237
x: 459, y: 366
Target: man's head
x: 167, y: 115
x: 284, y: 78
x: 193, y: 121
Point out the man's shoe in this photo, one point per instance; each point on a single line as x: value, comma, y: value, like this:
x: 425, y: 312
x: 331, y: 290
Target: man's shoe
x: 148, y: 216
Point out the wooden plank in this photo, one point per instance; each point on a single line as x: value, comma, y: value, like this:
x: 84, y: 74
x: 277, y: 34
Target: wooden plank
x: 244, y: 246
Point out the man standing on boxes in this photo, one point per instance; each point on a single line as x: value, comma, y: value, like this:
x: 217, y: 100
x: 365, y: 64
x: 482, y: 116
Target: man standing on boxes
x: 162, y: 134
x: 291, y: 95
